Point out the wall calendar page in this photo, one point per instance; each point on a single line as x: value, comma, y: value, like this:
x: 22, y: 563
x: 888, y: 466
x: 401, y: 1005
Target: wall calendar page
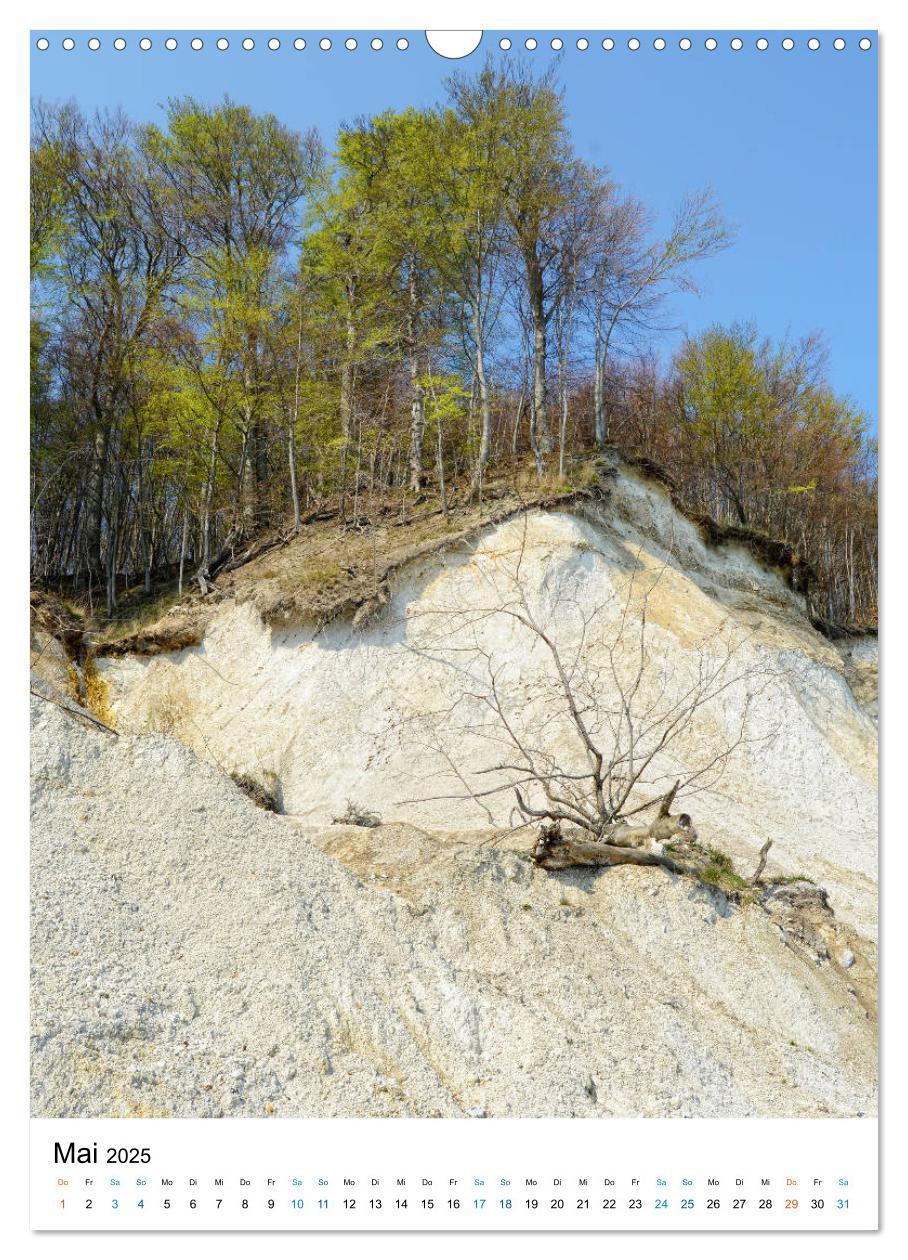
x: 454, y: 602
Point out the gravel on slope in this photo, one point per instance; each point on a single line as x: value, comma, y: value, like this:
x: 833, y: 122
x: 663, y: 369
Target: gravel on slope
x: 196, y: 956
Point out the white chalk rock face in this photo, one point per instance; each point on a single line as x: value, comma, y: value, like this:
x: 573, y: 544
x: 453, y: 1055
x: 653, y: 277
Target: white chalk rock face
x: 395, y: 716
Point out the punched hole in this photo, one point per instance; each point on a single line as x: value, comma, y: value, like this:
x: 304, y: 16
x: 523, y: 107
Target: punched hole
x: 452, y: 44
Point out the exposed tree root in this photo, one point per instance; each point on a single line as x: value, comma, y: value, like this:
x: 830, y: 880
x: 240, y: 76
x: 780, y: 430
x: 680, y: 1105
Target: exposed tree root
x: 556, y: 852
x: 626, y: 844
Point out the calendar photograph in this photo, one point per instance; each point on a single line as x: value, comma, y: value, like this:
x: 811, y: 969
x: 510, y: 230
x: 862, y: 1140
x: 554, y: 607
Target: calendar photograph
x: 453, y: 556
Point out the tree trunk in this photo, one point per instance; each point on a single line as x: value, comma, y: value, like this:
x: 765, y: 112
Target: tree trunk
x: 417, y: 392
x: 562, y: 433
x: 537, y: 314
x: 262, y: 498
x: 207, y: 495
x: 417, y: 426
x: 111, y: 574
x: 294, y: 491
x: 183, y: 541
x: 562, y: 854
x: 291, y: 427
x: 347, y: 382
x: 441, y: 473
x: 95, y: 497
x: 538, y: 458
x: 485, y: 407
x: 565, y: 333
x: 246, y: 502
x: 601, y: 431
x: 255, y: 507
x: 517, y: 418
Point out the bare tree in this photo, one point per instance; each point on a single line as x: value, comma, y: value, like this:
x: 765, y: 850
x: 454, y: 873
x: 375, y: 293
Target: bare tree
x: 604, y: 731
x: 631, y: 276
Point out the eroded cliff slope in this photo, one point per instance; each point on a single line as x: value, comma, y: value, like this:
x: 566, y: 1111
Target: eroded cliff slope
x: 195, y: 955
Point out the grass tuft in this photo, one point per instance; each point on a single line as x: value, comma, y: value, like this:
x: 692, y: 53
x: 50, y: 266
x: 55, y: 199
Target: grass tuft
x: 720, y: 873
x: 138, y: 613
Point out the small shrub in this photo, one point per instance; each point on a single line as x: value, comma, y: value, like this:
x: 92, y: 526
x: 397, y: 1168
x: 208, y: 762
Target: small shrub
x: 358, y: 816
x: 265, y: 795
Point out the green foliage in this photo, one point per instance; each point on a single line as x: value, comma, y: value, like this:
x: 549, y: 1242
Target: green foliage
x: 447, y: 406
x: 753, y: 410
x: 229, y: 325
x: 720, y: 873
x: 48, y: 208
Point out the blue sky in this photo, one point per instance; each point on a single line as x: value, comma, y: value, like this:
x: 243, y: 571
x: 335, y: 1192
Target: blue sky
x: 788, y: 140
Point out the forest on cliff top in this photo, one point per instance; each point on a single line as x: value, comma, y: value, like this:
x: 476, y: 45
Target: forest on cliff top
x: 236, y: 327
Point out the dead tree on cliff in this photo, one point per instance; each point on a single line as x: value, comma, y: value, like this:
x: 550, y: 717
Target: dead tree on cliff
x: 610, y: 731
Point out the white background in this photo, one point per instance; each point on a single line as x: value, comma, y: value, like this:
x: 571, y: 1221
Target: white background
x: 232, y: 15
x: 778, y: 1162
